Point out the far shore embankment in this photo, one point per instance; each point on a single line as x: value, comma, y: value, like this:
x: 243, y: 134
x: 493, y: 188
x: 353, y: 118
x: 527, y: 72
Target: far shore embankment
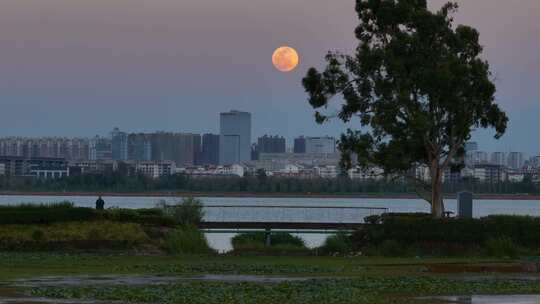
x: 270, y: 195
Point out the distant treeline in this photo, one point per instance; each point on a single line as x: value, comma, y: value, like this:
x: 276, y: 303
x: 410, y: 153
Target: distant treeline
x: 117, y: 181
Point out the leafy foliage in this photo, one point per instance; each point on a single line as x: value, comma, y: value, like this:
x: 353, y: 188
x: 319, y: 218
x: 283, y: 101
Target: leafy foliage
x: 416, y: 84
x: 340, y: 243
x: 67, y: 212
x: 401, y: 235
x: 187, y: 240
x: 72, y: 235
x: 188, y: 212
x: 44, y: 213
x: 150, y: 216
x: 280, y: 243
x: 251, y: 184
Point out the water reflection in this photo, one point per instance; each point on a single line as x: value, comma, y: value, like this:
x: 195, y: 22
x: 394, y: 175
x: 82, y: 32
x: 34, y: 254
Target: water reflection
x: 487, y: 299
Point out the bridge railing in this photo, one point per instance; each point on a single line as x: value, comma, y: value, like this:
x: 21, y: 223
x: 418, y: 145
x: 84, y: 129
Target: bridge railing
x: 289, y: 214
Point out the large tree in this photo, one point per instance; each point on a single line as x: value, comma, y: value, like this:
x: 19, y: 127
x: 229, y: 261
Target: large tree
x: 418, y: 86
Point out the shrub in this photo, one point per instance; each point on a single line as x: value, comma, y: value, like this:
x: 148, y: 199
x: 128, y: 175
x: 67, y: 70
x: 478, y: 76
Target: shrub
x: 280, y: 243
x: 187, y: 240
x: 188, y: 212
x: 38, y: 235
x: 390, y: 248
x: 454, y: 236
x: 44, y: 213
x: 67, y: 212
x: 340, y: 243
x: 259, y: 238
x: 88, y: 235
x: 153, y: 216
x: 500, y: 247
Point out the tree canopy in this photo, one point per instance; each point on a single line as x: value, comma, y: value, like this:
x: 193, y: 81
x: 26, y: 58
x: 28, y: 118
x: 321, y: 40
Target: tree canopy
x: 416, y: 83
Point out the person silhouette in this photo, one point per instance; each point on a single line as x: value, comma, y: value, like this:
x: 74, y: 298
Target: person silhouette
x: 100, y: 203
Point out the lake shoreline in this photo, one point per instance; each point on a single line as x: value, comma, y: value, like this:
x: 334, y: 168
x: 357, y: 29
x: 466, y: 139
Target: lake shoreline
x: 263, y: 195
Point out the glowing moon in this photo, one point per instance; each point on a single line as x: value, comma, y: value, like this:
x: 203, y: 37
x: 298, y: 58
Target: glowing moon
x: 285, y: 59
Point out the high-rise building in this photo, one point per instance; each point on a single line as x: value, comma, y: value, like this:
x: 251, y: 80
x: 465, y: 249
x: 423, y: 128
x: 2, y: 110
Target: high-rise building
x: 197, y: 149
x: 235, y: 137
x: 178, y: 147
x: 60, y: 147
x: 515, y: 160
x: 100, y: 148
x: 324, y: 144
x: 119, y: 145
x: 300, y: 145
x: 474, y: 158
x: 498, y: 158
x: 210, y: 149
x: 139, y: 147
x: 271, y: 144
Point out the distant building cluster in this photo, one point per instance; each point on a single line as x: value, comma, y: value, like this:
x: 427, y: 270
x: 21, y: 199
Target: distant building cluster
x: 494, y: 167
x: 230, y: 152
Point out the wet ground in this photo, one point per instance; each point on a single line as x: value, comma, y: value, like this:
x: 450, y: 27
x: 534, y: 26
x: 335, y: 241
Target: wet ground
x: 144, y: 280
x: 8, y: 294
x: 509, y: 299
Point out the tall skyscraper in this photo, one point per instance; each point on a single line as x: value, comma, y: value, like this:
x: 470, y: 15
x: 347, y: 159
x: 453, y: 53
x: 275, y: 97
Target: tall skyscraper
x: 210, y: 149
x: 235, y: 137
x: 119, y: 142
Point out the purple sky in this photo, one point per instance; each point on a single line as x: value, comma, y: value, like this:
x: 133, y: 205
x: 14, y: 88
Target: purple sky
x: 82, y: 67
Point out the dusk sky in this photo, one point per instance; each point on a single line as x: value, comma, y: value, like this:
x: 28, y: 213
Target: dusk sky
x: 82, y: 67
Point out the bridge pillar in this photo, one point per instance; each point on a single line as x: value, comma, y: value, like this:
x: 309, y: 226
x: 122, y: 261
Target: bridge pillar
x: 268, y: 237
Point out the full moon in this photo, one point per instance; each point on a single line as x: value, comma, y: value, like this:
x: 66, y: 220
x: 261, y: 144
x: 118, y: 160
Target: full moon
x: 285, y: 59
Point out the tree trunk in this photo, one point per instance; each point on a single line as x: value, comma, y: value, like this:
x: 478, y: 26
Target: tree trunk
x: 437, y: 204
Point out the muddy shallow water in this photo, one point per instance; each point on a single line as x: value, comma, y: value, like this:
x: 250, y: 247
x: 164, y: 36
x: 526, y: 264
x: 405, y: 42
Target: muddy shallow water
x: 507, y: 299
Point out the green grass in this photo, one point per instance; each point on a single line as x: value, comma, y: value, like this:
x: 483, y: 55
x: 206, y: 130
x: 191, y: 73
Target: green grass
x: 187, y: 240
x: 26, y: 264
x: 365, y: 290
x: 72, y: 234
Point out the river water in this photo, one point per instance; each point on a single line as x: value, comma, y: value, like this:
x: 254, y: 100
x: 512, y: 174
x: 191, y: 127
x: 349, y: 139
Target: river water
x: 268, y: 209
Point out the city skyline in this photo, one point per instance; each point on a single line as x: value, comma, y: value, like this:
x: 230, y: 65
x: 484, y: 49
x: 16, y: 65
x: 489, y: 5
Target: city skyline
x: 274, y: 143
x: 78, y: 68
